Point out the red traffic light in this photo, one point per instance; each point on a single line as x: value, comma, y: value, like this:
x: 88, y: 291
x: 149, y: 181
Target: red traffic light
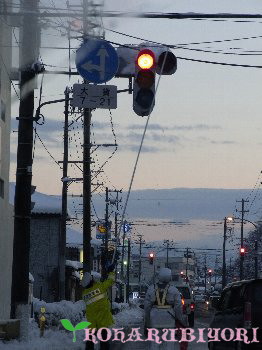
x: 151, y: 258
x: 209, y: 271
x: 242, y: 251
x: 146, y: 59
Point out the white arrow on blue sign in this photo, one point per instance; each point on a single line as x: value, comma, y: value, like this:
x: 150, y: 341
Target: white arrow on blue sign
x: 97, y: 61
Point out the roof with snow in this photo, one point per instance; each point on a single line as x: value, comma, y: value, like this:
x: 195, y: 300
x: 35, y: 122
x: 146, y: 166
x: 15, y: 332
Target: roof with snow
x: 74, y: 238
x: 44, y: 204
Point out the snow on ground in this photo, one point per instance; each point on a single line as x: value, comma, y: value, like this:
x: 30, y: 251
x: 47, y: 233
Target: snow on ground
x: 52, y: 340
x: 130, y: 316
x: 57, y: 339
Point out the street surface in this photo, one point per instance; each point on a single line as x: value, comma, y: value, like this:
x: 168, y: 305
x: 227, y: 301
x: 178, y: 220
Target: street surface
x: 202, y: 320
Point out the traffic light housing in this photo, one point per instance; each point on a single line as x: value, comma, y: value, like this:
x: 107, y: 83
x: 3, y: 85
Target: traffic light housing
x: 242, y: 251
x: 144, y: 82
x: 209, y: 272
x: 151, y: 258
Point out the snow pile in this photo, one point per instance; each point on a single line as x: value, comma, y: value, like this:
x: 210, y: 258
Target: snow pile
x: 133, y: 315
x: 31, y: 278
x: 61, y: 310
x: 74, y: 264
x: 52, y: 340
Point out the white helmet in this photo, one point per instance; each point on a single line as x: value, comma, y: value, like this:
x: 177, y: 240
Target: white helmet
x: 165, y: 275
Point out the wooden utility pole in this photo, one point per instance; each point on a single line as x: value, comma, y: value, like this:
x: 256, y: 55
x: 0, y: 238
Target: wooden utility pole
x: 21, y: 243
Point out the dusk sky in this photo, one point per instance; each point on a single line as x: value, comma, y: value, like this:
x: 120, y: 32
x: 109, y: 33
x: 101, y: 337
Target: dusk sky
x: 205, y: 129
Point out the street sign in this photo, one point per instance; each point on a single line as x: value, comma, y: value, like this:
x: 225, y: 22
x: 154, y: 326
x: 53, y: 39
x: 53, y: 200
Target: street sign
x: 97, y: 61
x: 101, y: 230
x: 126, y: 227
x: 94, y: 96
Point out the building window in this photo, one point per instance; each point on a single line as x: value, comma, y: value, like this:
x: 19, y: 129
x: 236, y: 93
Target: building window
x: 2, y: 110
x: 2, y: 188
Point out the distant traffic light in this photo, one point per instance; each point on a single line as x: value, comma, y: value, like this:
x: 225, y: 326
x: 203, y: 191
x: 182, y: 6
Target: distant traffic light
x: 182, y: 274
x: 242, y: 251
x: 151, y: 258
x: 144, y: 83
x: 209, y: 272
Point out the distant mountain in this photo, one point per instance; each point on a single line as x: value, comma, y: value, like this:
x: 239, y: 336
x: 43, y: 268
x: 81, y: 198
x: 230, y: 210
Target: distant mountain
x: 181, y: 203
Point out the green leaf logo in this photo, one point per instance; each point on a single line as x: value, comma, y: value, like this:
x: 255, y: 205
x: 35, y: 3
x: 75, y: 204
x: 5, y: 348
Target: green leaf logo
x: 68, y: 326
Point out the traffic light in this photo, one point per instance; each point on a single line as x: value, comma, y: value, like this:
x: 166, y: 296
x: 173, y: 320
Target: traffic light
x: 182, y: 274
x: 209, y: 272
x: 144, y: 82
x: 242, y: 251
x: 151, y: 258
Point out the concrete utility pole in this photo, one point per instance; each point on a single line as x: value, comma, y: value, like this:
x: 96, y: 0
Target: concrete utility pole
x: 224, y: 281
x: 140, y: 260
x: 64, y: 202
x: 21, y: 244
x: 88, y: 261
x: 243, y: 211
x: 128, y: 269
x: 187, y: 264
x: 167, y: 252
x: 205, y: 267
x: 256, y: 259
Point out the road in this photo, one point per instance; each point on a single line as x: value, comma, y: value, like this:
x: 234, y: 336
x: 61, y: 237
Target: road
x: 202, y: 320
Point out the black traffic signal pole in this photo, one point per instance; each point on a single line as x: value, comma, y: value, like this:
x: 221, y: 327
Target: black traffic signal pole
x: 22, y: 201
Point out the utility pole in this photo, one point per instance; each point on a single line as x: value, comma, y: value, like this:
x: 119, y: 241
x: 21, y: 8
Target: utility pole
x: 64, y: 203
x: 187, y: 264
x: 215, y: 269
x: 167, y: 251
x: 128, y: 270
x: 106, y: 222
x: 205, y: 267
x: 224, y: 282
x: 140, y: 261
x: 21, y: 243
x: 256, y: 259
x: 243, y: 211
x: 87, y: 258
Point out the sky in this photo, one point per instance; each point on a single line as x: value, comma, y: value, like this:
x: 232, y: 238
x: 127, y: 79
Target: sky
x: 205, y: 129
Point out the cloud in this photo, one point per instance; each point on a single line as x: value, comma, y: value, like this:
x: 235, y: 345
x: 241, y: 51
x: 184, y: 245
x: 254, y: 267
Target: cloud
x: 225, y: 142
x: 161, y: 127
x: 145, y: 149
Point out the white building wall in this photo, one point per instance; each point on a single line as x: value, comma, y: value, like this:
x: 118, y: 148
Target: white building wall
x: 6, y: 211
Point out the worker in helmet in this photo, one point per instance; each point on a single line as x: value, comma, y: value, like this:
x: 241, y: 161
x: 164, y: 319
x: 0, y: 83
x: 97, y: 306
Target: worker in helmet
x: 163, y: 307
x: 98, y: 307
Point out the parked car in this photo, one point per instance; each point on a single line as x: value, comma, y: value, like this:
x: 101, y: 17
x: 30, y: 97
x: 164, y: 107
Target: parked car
x: 240, y: 306
x: 200, y: 298
x: 187, y: 301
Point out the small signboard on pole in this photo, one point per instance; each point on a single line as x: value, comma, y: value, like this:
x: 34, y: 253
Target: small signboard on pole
x: 94, y: 96
x: 101, y: 229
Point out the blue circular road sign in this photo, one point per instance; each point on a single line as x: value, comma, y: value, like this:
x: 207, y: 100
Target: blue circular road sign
x: 97, y: 61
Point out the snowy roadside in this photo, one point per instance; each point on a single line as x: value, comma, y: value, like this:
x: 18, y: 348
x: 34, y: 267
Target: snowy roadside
x: 52, y: 340
x: 57, y: 339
